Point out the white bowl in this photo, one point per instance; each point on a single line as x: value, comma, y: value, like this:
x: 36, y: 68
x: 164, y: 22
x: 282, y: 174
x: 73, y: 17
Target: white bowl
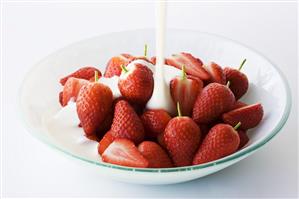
x: 39, y: 94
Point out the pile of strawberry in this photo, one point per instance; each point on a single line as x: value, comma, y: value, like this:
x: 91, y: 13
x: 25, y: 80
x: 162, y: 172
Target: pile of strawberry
x: 211, y: 122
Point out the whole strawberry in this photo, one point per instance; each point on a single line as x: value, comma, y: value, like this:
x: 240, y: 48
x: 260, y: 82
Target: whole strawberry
x: 185, y: 90
x: 83, y: 73
x: 182, y: 138
x: 213, y: 100
x: 154, y: 122
x: 238, y: 81
x: 194, y: 66
x: 216, y: 73
x: 71, y: 89
x: 94, y: 102
x: 250, y: 116
x: 222, y: 140
x: 155, y: 155
x: 123, y: 152
x: 126, y: 123
x: 113, y: 66
x: 136, y: 83
x: 161, y: 141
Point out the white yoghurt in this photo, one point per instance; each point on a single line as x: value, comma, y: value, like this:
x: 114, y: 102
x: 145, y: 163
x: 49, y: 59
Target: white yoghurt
x: 63, y: 129
x: 112, y: 83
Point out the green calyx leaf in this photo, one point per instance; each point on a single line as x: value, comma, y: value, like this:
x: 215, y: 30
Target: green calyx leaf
x: 237, y: 126
x: 179, y: 109
x: 123, y: 68
x: 145, y: 50
x: 184, y: 75
x: 96, y: 76
x: 241, y: 66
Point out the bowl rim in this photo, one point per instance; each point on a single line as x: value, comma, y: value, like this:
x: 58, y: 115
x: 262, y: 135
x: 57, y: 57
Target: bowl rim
x: 234, y: 156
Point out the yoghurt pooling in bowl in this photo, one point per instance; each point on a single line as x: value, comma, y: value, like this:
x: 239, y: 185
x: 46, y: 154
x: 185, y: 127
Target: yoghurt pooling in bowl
x: 64, y: 124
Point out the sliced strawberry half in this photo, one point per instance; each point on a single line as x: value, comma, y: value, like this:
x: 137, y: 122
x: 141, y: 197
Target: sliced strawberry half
x: 194, y: 66
x: 249, y: 116
x: 71, y: 89
x: 83, y: 73
x: 216, y: 72
x: 123, y: 152
x: 239, y: 104
x: 113, y: 67
x: 185, y: 90
x: 105, y: 142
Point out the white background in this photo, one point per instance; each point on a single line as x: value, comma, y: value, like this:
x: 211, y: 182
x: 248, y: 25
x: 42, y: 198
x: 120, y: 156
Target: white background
x: 33, y: 30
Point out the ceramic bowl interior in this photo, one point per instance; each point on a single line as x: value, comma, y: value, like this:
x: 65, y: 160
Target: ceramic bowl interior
x: 39, y: 95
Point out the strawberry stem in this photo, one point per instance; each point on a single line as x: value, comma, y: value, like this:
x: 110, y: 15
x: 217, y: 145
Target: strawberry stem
x: 228, y: 84
x: 124, y: 69
x: 243, y: 62
x: 96, y: 76
x: 237, y: 126
x: 179, y: 109
x: 145, y: 50
x: 184, y: 75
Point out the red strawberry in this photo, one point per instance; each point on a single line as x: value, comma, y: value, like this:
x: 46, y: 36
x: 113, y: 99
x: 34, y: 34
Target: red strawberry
x: 238, y: 81
x: 123, y: 152
x: 216, y: 72
x: 106, y: 124
x: 113, y: 66
x: 213, y: 100
x: 185, y: 90
x: 161, y: 140
x: 93, y: 104
x: 193, y: 65
x: 182, y: 138
x: 222, y: 140
x: 83, y: 73
x: 126, y: 123
x: 154, y: 122
x: 244, y: 139
x: 136, y: 83
x: 60, y: 97
x: 105, y: 142
x: 71, y: 89
x: 249, y: 116
x: 155, y: 155
x: 238, y: 104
